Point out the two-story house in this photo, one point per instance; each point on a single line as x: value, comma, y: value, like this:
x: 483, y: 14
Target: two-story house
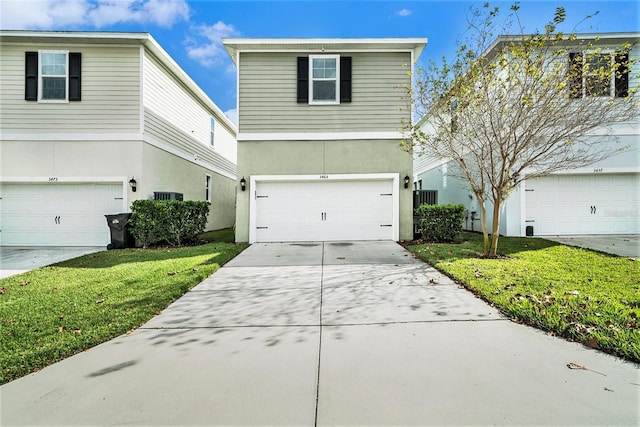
x: 90, y: 122
x: 319, y: 139
x: 602, y: 198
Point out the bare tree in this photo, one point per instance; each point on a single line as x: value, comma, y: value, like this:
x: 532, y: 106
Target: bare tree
x: 515, y: 107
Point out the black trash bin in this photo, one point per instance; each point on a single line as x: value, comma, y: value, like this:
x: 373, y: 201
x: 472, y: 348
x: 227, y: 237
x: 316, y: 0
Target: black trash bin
x: 120, y: 236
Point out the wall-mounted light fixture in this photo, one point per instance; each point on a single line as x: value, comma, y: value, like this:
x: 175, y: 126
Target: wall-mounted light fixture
x: 407, y: 179
x: 243, y: 184
x: 133, y: 184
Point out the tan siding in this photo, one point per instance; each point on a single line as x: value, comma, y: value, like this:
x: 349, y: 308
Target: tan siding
x: 110, y: 93
x: 268, y: 95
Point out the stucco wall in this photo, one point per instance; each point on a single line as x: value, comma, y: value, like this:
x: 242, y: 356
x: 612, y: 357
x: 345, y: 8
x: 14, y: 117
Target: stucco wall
x: 323, y: 157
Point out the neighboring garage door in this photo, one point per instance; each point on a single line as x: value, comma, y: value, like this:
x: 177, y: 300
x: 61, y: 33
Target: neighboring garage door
x: 584, y: 204
x: 56, y: 214
x: 324, y: 210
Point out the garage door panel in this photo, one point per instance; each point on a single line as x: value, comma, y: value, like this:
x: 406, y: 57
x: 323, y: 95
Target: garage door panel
x: 324, y: 210
x: 584, y: 204
x: 51, y: 214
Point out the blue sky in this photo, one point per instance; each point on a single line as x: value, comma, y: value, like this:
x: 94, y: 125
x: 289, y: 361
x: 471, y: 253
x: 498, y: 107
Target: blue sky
x: 191, y: 30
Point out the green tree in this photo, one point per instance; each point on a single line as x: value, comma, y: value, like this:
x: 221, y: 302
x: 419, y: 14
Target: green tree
x: 514, y: 107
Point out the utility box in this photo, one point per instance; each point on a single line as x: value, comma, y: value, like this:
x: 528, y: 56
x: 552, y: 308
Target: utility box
x: 167, y: 195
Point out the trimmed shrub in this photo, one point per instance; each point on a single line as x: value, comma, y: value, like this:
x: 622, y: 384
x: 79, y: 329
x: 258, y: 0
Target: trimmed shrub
x: 441, y: 223
x: 172, y: 221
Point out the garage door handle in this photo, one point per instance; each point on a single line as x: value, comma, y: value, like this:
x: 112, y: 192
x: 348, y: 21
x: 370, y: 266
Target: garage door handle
x: 386, y: 225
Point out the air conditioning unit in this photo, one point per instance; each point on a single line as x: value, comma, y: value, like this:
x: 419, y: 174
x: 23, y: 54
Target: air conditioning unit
x: 167, y: 195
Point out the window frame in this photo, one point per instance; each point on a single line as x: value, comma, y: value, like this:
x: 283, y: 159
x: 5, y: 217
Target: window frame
x: 208, y: 188
x: 336, y: 79
x: 584, y: 80
x: 42, y: 76
x: 212, y: 132
x: 589, y: 86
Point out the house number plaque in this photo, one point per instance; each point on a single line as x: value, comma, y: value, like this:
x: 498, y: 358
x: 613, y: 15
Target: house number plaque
x: 53, y: 179
x: 324, y: 176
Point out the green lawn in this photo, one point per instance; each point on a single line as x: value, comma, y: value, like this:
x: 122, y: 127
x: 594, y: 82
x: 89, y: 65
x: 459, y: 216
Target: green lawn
x: 54, y: 312
x: 582, y: 295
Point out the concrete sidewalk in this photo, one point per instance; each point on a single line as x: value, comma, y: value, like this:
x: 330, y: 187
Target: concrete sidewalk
x: 329, y: 334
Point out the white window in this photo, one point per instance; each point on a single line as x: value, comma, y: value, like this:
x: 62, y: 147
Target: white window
x: 212, y: 132
x: 324, y: 84
x: 207, y: 188
x: 54, y: 72
x: 598, y: 75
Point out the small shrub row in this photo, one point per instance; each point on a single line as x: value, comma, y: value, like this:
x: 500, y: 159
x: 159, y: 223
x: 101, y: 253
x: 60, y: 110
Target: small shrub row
x: 441, y: 223
x: 172, y: 221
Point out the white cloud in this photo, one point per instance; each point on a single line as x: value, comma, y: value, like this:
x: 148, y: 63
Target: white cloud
x: 210, y: 51
x: 56, y: 14
x: 232, y: 115
x: 405, y: 12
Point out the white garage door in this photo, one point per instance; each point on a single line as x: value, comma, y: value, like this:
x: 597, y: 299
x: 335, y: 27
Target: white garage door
x: 324, y: 211
x: 56, y: 214
x: 584, y: 204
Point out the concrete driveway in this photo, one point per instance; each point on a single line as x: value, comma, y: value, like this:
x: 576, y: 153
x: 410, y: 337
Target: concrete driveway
x: 329, y: 334
x: 16, y: 260
x: 626, y: 245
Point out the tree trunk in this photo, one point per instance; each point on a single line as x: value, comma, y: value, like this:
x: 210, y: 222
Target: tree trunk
x: 483, y: 221
x: 495, y: 227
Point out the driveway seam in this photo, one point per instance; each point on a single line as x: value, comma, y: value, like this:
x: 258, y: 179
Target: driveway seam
x: 315, y: 422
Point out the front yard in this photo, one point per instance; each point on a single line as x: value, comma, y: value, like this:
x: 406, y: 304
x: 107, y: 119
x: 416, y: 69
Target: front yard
x: 55, y: 312
x: 582, y: 295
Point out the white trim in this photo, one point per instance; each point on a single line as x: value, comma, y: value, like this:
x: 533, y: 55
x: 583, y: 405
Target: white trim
x: 208, y: 187
x: 66, y: 77
x: 70, y: 137
x: 336, y: 79
x: 53, y: 180
x: 395, y: 177
x: 190, y: 158
x: 317, y: 136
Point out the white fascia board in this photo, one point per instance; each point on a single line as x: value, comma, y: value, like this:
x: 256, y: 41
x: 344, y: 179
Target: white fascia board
x: 321, y: 136
x: 235, y: 45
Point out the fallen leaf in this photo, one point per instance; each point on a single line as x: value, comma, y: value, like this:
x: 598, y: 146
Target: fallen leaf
x: 572, y: 365
x: 172, y: 273
x: 77, y: 331
x: 62, y: 329
x: 433, y: 282
x: 607, y: 389
x: 24, y: 283
x: 2, y: 291
x: 572, y: 293
x: 100, y: 301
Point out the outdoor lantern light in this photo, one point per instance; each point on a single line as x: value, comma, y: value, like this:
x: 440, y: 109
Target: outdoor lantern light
x: 406, y: 181
x: 243, y: 184
x: 133, y: 184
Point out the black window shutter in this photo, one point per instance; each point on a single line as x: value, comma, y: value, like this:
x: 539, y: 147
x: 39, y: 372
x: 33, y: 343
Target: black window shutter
x: 575, y: 75
x: 75, y: 81
x: 303, y: 79
x: 345, y: 79
x: 31, y: 76
x: 622, y: 75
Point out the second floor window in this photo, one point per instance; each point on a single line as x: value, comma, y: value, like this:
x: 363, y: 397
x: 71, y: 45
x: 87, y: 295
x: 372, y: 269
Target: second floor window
x: 599, y: 74
x: 52, y: 76
x: 212, y: 132
x: 324, y: 86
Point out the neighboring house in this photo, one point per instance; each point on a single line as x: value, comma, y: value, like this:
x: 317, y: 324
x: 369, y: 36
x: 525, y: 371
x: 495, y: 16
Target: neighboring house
x: 319, y: 140
x: 603, y: 198
x: 85, y: 116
